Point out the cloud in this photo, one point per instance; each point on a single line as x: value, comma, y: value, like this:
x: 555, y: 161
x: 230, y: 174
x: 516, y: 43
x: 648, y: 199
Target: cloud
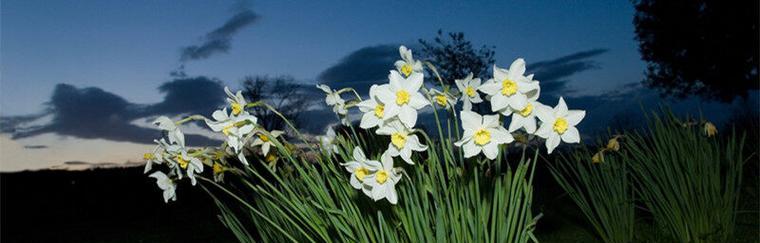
x: 553, y: 73
x: 361, y: 68
x: 93, y: 113
x: 219, y: 40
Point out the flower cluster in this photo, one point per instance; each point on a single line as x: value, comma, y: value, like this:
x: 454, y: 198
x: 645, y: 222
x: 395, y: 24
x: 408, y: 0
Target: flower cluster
x: 392, y: 110
x: 236, y: 124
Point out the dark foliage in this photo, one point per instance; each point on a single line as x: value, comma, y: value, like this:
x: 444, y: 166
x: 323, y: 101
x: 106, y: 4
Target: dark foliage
x: 455, y: 57
x: 283, y: 93
x: 704, y: 47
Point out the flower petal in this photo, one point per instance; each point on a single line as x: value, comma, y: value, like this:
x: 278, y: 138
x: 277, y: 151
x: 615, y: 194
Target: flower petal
x: 575, y: 116
x: 571, y: 135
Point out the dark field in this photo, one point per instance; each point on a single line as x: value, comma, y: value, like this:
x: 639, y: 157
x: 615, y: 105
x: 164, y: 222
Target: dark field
x: 123, y: 205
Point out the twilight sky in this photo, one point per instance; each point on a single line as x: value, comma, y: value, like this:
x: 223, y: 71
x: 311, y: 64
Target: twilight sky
x: 129, y: 47
x: 105, y: 65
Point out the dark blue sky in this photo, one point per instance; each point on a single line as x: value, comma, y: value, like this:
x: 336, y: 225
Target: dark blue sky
x: 129, y: 47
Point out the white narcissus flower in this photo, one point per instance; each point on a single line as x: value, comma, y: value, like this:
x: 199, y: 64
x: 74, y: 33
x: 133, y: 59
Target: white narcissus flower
x: 166, y: 184
x: 234, y: 127
x: 190, y: 164
x: 509, y: 89
x: 236, y: 100
x: 334, y: 100
x: 407, y: 65
x: 443, y: 99
x: 401, y: 97
x: 373, y: 109
x: 266, y: 141
x: 328, y: 140
x: 173, y: 133
x: 469, y: 88
x: 155, y: 157
x: 482, y: 133
x: 403, y: 142
x: 526, y: 118
x: 360, y: 168
x: 559, y: 124
x: 383, y: 181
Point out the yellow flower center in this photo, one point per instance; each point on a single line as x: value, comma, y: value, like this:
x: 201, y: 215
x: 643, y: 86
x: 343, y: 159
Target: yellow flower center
x: 508, y: 87
x: 482, y: 136
x: 263, y: 138
x: 148, y: 156
x: 398, y: 139
x: 217, y: 168
x: 469, y: 91
x: 441, y: 100
x: 361, y: 172
x: 402, y: 97
x: 379, y: 110
x: 560, y: 125
x: 182, y: 162
x: 236, y: 108
x: 226, y: 129
x: 381, y: 176
x: 406, y: 69
x: 527, y: 110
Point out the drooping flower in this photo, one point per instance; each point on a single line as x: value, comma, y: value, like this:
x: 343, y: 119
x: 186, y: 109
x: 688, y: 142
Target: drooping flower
x: 173, y: 132
x: 509, y: 89
x: 266, y: 141
x: 402, y: 98
x: 155, y: 157
x: 710, y: 129
x: 442, y: 99
x: 166, y: 184
x: 360, y: 168
x: 373, y: 109
x: 236, y: 100
x: 328, y: 141
x: 482, y: 133
x: 469, y: 88
x: 403, y: 141
x: 407, y: 65
x: 383, y: 181
x: 234, y: 127
x: 334, y: 100
x: 559, y: 123
x: 190, y: 164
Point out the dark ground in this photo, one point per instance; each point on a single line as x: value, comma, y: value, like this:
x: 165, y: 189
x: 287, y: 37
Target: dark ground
x: 124, y: 205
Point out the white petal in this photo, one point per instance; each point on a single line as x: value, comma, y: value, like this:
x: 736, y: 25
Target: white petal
x: 470, y: 120
x: 414, y: 82
x: 517, y: 122
x: 544, y: 113
x: 501, y: 136
x: 387, y: 160
x: 517, y: 101
x: 418, y: 101
x: 391, y: 195
x: 499, y: 102
x: 391, y: 110
x: 355, y: 182
x: 491, y: 87
x: 408, y: 116
x: 517, y: 68
x: 545, y: 130
x: 491, y: 121
x: 359, y: 154
x: 575, y: 116
x: 470, y: 149
x: 491, y: 150
x: 552, y: 142
x: 561, y: 109
x: 265, y: 148
x: 571, y: 135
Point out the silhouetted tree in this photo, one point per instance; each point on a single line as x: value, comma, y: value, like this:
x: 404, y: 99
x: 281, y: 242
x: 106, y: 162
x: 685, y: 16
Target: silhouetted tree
x: 456, y: 57
x: 283, y: 93
x: 699, y: 47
